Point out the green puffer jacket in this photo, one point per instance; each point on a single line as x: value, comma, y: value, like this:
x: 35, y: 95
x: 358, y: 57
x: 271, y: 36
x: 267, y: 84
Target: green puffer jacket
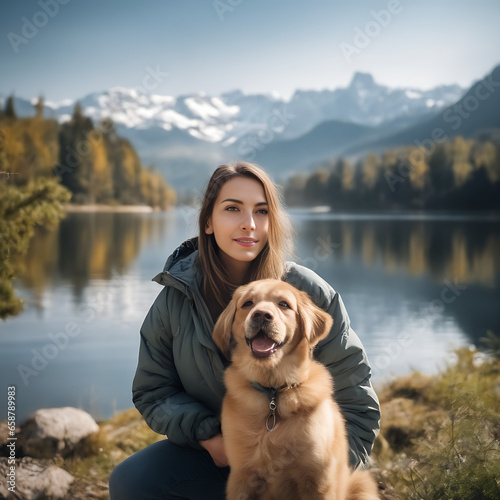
x: 178, y: 386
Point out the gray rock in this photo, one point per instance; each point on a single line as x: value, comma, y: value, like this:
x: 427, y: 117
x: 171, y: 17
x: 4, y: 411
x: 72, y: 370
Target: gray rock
x: 55, y: 431
x: 34, y: 480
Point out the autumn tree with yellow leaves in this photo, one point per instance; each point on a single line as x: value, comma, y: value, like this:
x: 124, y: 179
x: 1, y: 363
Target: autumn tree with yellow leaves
x: 461, y: 174
x: 45, y: 165
x: 93, y: 162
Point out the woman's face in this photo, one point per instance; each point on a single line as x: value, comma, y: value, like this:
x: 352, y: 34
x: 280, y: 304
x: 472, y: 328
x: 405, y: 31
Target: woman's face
x: 239, y: 223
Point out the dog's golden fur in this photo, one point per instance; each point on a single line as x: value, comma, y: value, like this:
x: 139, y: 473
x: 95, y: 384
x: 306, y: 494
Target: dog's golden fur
x: 269, y: 330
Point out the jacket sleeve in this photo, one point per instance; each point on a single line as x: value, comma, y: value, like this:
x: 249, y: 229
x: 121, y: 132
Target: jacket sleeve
x: 157, y: 391
x: 344, y: 356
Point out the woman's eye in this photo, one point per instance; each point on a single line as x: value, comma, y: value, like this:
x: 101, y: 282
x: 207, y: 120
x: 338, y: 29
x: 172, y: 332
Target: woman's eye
x: 262, y: 211
x: 231, y: 209
x: 283, y: 304
x: 248, y: 303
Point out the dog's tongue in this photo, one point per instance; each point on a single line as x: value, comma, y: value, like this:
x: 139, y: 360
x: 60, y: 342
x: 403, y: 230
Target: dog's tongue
x: 262, y: 344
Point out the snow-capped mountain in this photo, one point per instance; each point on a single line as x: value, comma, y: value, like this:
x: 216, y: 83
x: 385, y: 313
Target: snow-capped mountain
x: 229, y: 117
x: 186, y: 136
x: 364, y: 102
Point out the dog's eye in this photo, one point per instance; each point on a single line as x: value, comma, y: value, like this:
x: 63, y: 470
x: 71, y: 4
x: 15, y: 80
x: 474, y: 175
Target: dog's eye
x: 248, y: 303
x: 283, y: 304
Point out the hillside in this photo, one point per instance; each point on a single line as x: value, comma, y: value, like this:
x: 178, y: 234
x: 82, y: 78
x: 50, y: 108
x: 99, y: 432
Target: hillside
x: 92, y: 161
x: 477, y: 111
x: 186, y: 136
x: 459, y: 174
x: 326, y: 140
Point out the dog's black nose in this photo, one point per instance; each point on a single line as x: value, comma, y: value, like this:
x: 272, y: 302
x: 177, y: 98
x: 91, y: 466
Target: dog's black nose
x: 262, y: 316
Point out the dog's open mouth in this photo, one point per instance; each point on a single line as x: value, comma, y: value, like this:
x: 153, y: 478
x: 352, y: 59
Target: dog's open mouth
x: 262, y: 345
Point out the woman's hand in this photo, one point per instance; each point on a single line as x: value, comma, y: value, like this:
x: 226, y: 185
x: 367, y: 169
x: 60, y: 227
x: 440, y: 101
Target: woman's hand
x: 215, y: 446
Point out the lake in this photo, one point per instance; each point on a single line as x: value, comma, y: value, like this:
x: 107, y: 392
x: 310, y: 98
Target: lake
x: 416, y: 287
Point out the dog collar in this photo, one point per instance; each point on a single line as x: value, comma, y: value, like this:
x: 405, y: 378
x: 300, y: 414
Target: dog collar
x: 271, y: 393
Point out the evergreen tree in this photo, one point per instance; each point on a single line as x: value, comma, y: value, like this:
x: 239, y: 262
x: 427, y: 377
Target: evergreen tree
x: 294, y: 190
x: 370, y: 172
x: 460, y: 174
x: 96, y: 165
x: 115, y: 155
x: 10, y: 112
x: 75, y: 156
x: 39, y: 107
x: 440, y: 171
x: 315, y: 189
x: 334, y: 184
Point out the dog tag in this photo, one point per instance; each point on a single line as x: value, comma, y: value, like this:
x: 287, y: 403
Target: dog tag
x: 271, y: 424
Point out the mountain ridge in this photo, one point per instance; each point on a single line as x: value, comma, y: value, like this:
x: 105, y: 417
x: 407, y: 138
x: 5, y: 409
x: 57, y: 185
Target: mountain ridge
x: 186, y: 136
x: 234, y: 114
x: 478, y: 110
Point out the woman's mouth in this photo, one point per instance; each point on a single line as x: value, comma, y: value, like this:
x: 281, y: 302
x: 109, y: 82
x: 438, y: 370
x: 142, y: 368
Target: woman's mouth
x: 246, y: 242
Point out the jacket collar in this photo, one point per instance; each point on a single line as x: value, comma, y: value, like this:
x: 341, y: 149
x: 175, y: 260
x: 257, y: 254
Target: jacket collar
x: 181, y: 269
x: 182, y: 251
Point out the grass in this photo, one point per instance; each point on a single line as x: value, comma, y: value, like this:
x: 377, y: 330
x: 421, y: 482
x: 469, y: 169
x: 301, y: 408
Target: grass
x: 440, y: 436
x: 117, y: 439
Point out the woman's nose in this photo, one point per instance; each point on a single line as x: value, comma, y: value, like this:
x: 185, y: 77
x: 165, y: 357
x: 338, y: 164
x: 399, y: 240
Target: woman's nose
x: 247, y: 223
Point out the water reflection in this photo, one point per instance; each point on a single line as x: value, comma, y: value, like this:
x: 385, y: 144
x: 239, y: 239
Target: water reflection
x: 89, y: 246
x: 467, y: 250
x: 451, y: 267
x: 419, y: 253
x: 393, y: 274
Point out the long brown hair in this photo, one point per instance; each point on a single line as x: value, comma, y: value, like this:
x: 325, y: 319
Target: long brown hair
x: 270, y: 263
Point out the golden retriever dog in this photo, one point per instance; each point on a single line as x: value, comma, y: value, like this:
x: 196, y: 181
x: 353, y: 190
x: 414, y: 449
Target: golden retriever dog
x: 284, y: 435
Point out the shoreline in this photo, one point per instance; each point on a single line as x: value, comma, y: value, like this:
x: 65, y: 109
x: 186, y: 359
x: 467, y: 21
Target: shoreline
x: 427, y: 422
x: 70, y: 208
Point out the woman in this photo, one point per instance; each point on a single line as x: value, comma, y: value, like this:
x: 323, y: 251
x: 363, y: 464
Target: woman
x: 244, y: 235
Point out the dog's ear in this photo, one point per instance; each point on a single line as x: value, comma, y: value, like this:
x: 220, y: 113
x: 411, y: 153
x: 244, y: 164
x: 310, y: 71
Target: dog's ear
x: 316, y: 323
x: 221, y: 334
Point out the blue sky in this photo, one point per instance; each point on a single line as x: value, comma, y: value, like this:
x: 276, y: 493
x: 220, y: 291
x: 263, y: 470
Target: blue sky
x: 69, y: 48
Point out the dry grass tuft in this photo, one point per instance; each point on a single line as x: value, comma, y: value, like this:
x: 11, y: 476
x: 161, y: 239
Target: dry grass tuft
x: 441, y: 436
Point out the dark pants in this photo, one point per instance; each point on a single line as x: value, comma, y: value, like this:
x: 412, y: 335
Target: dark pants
x: 166, y: 471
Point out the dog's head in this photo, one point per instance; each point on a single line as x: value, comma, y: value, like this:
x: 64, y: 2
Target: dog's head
x: 268, y: 320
